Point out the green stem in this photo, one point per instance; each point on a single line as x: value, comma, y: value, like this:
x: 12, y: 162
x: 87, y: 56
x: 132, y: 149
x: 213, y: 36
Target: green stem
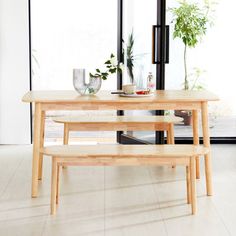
x: 186, y: 85
x: 85, y: 90
x: 194, y: 83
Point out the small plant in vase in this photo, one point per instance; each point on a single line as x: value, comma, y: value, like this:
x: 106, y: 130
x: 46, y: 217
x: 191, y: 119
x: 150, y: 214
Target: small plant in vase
x: 130, y: 57
x: 95, y: 80
x: 112, y: 66
x: 190, y: 25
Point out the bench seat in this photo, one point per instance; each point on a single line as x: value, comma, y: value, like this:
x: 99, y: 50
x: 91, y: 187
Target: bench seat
x: 117, y: 123
x: 124, y: 151
x: 123, y: 155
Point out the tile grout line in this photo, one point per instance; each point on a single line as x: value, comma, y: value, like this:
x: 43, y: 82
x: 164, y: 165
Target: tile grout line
x: 223, y: 222
x: 11, y: 178
x: 158, y: 202
x: 215, y: 208
x: 217, y: 212
x: 45, y: 222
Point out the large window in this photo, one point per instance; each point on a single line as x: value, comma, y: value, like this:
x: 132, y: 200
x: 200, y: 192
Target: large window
x: 138, y: 18
x: 210, y: 65
x: 213, y: 61
x: 82, y: 34
x: 66, y: 35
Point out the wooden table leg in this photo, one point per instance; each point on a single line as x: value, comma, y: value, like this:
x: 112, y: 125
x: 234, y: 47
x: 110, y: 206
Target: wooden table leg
x: 41, y: 145
x: 36, y: 148
x: 206, y: 142
x: 171, y: 136
x: 196, y: 140
x: 168, y: 136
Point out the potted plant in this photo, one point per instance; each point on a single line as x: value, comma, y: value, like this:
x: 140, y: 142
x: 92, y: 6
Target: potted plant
x: 190, y: 24
x: 130, y: 56
x: 95, y: 80
x: 195, y: 83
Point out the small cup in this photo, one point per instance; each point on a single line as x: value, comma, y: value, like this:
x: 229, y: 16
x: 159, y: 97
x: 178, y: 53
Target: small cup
x: 129, y: 88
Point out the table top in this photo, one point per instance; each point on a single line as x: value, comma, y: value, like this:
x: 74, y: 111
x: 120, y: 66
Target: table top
x: 60, y: 96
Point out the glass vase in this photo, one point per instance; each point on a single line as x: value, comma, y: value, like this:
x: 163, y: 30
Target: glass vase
x: 82, y: 87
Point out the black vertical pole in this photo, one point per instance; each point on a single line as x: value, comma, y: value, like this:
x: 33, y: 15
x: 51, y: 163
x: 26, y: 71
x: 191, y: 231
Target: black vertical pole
x: 160, y: 68
x: 30, y: 70
x: 120, y: 56
x: 119, y: 40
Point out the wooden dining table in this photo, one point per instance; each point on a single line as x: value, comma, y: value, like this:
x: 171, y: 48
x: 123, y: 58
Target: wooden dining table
x: 52, y: 100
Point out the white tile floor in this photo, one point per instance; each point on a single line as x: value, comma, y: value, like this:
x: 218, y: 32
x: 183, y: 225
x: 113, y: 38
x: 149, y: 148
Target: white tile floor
x: 114, y: 201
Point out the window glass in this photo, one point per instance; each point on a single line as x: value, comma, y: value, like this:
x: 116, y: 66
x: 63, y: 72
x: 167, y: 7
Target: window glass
x: 71, y: 34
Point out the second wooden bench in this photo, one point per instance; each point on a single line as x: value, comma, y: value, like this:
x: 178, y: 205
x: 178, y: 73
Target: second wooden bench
x: 119, y: 123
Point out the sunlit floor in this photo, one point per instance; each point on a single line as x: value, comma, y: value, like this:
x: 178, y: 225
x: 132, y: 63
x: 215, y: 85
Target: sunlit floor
x: 116, y: 201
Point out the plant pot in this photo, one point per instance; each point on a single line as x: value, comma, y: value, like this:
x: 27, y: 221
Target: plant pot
x: 186, y: 115
x: 82, y: 87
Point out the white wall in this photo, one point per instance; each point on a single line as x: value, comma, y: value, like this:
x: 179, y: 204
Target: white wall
x: 14, y: 72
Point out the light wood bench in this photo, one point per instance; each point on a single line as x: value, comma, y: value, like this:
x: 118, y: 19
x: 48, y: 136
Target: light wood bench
x: 119, y: 123
x: 125, y: 155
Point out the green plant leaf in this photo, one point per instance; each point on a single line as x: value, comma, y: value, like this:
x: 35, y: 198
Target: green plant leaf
x: 108, y: 62
x: 91, y: 90
x: 112, y: 70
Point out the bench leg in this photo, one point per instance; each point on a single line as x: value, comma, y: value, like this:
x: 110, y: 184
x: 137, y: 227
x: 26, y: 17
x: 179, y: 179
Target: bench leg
x: 58, y: 184
x: 66, y: 137
x: 40, y: 173
x: 188, y: 185
x: 53, y: 186
x: 193, y: 185
x: 66, y: 134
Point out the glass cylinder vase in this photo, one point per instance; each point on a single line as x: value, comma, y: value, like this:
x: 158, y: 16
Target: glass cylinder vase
x: 82, y: 87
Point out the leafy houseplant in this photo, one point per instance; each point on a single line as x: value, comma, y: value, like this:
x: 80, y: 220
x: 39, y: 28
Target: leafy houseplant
x: 95, y: 80
x: 190, y: 24
x: 130, y: 56
x: 112, y: 66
